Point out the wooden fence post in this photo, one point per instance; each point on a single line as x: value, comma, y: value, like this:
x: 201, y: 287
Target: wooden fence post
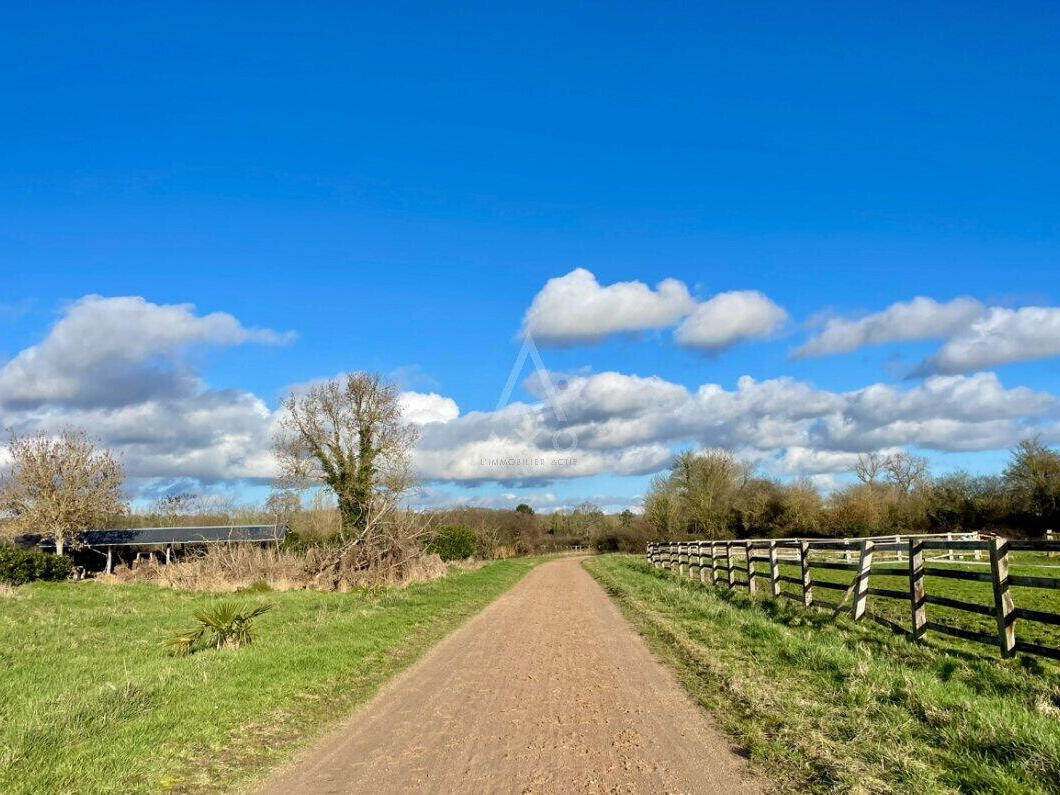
x: 731, y: 575
x: 917, y: 605
x: 703, y: 571
x: 861, y: 587
x: 695, y: 551
x: 713, y: 563
x: 774, y: 570
x: 949, y: 550
x: 1003, y: 607
x: 807, y: 581
x: 750, y: 569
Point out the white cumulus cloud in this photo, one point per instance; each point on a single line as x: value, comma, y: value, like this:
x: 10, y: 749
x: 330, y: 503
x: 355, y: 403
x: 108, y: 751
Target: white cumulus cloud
x: 420, y: 408
x: 576, y: 309
x: 109, y: 351
x: 976, y: 337
x: 615, y: 423
x: 729, y: 318
x: 1002, y: 336
x: 116, y: 367
x: 919, y: 319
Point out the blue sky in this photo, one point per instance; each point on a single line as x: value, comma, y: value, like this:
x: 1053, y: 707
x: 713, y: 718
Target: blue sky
x: 395, y: 184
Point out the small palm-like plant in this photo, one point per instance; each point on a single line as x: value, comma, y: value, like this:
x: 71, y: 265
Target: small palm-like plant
x: 221, y: 626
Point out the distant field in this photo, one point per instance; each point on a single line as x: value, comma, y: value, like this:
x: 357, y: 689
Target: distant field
x: 90, y: 702
x: 826, y: 704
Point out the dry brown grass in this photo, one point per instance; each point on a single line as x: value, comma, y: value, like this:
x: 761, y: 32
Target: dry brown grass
x: 470, y: 564
x: 233, y: 567
x: 503, y: 552
x: 7, y: 591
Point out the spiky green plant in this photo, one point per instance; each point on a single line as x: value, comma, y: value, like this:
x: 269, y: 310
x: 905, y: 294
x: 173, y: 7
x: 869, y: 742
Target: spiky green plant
x: 220, y: 626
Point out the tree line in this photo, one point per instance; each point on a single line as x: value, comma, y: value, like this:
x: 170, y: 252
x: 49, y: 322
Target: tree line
x: 715, y: 495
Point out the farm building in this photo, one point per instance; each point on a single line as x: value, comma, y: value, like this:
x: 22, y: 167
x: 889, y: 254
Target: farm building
x: 116, y: 545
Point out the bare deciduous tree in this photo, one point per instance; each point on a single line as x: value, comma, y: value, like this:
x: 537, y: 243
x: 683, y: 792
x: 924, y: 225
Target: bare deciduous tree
x: 661, y: 506
x: 698, y: 495
x: 349, y: 435
x: 60, y: 486
x: 283, y: 504
x: 869, y: 467
x: 906, y: 471
x: 709, y: 484
x: 1033, y: 479
x: 179, y: 507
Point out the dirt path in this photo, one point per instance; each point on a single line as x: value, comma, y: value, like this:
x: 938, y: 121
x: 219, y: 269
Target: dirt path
x: 547, y: 690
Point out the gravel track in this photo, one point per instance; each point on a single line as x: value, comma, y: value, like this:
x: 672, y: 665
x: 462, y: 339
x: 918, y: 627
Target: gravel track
x: 549, y: 689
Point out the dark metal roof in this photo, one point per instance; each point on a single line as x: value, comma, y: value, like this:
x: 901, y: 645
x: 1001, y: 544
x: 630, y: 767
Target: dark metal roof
x: 155, y: 536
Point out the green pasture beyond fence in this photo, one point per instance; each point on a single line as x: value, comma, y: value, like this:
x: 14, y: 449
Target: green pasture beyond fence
x: 746, y: 562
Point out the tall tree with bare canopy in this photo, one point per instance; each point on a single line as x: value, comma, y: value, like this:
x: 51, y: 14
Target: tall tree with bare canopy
x: 59, y: 486
x: 347, y: 434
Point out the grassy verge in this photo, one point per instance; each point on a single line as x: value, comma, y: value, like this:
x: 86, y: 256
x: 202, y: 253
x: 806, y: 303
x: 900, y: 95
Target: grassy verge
x: 824, y: 704
x: 89, y: 701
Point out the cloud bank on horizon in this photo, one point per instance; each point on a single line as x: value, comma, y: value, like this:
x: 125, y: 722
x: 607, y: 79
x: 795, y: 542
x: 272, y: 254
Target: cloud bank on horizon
x: 120, y: 367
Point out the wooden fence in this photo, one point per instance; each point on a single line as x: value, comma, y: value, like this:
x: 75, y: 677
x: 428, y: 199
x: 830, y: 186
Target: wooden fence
x: 745, y: 563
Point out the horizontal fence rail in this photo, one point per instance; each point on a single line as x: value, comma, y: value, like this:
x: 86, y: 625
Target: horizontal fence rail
x: 754, y: 564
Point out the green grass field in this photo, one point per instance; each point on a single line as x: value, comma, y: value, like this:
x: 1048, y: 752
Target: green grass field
x: 90, y: 701
x: 893, y: 575
x: 826, y: 704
